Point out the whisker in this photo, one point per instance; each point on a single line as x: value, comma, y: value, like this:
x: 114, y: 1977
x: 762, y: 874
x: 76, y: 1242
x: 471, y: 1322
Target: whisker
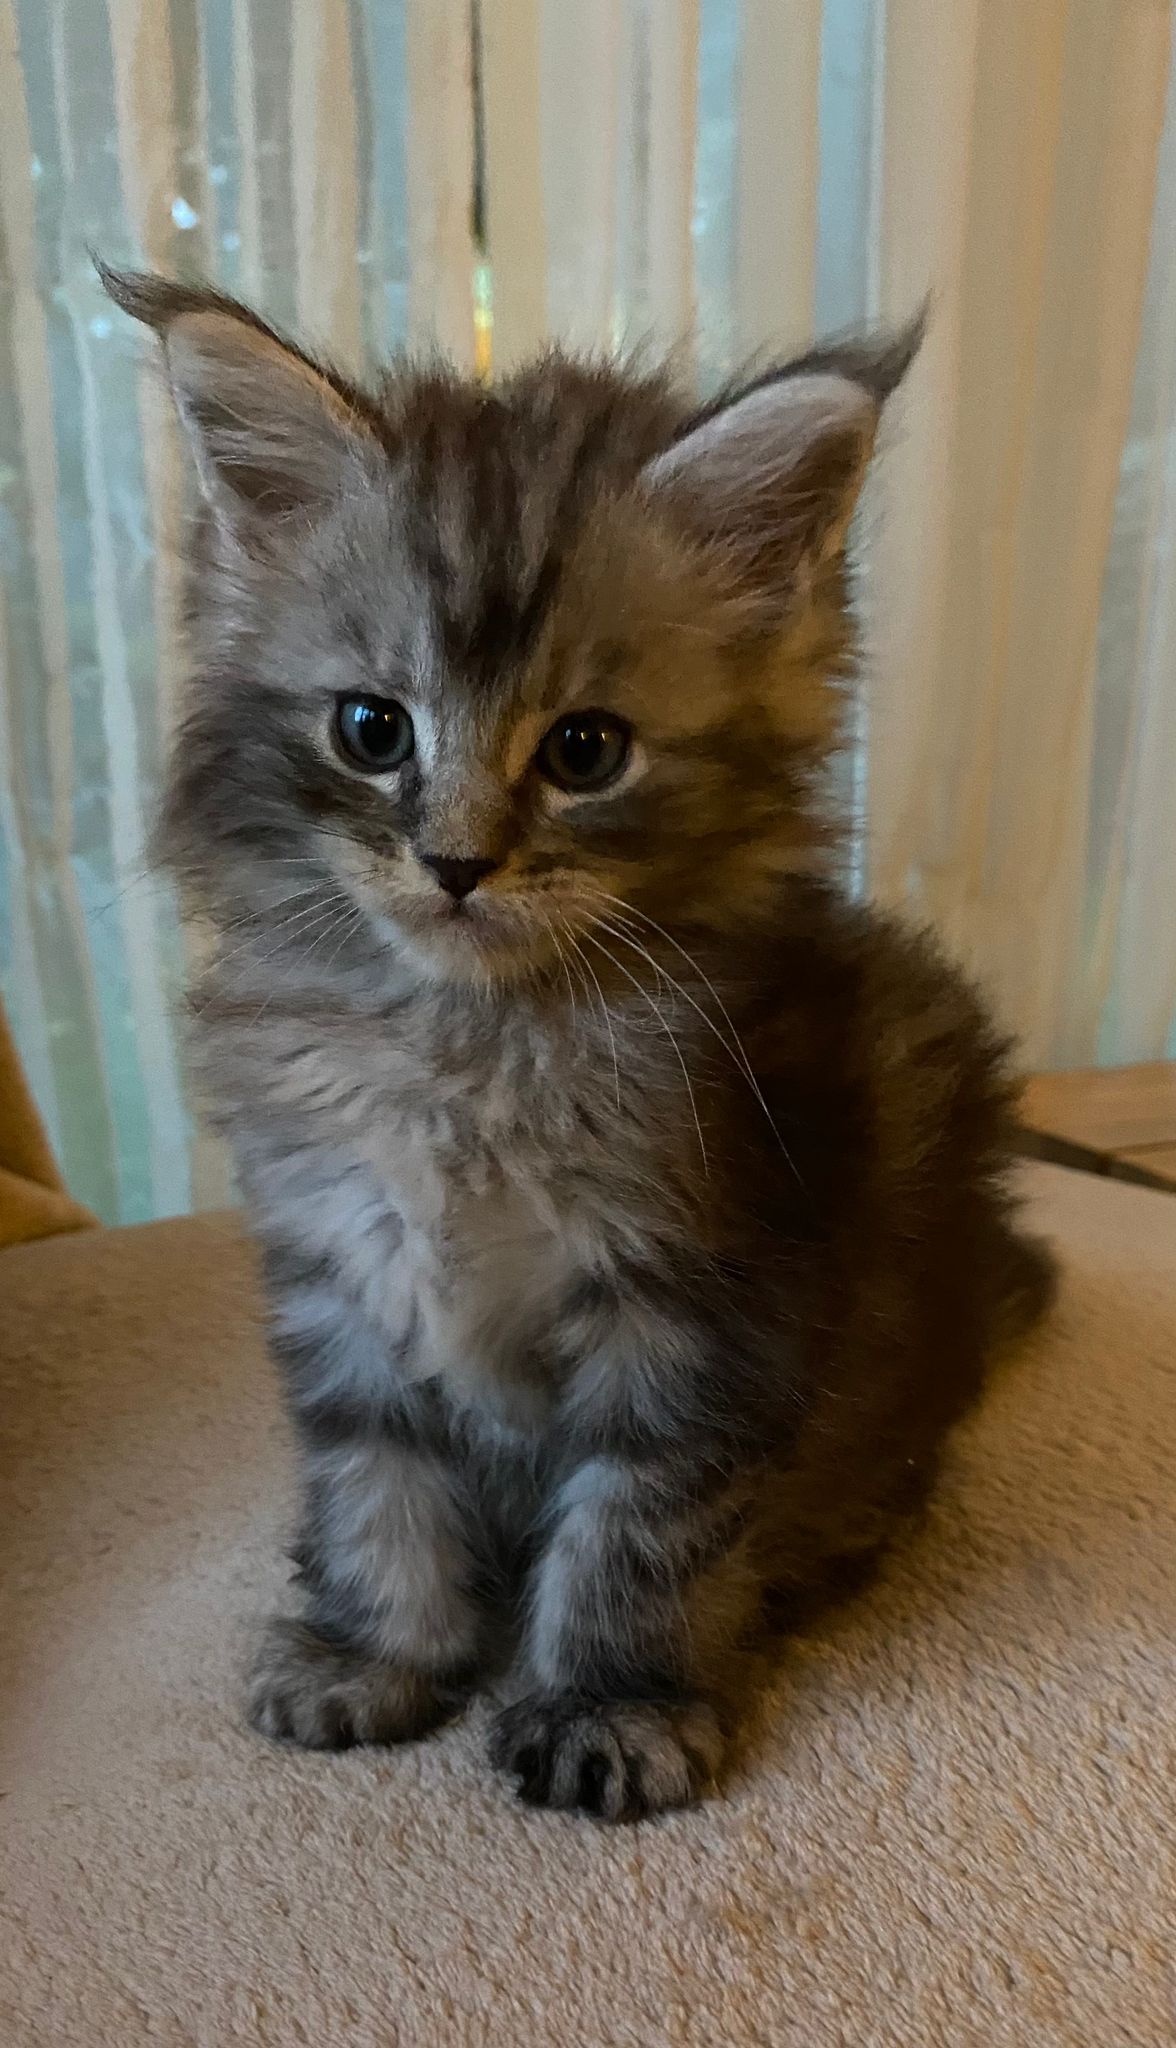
x: 739, y: 1057
x: 305, y: 919
x: 350, y: 926
x: 258, y: 913
x: 643, y: 991
x: 571, y: 988
x: 287, y: 924
x: 349, y: 923
x: 604, y: 1011
x: 736, y: 1050
x: 580, y: 965
x: 140, y: 879
x: 550, y: 923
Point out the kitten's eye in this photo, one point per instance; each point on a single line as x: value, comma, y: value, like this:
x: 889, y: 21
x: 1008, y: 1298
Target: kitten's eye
x: 584, y: 751
x: 374, y: 732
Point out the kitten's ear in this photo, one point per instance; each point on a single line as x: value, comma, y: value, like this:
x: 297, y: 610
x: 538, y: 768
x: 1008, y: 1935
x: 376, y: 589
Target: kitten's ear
x: 270, y: 433
x: 769, y: 473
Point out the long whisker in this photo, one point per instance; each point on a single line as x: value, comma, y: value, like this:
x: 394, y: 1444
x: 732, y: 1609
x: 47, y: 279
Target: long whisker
x: 145, y: 876
x: 350, y: 926
x: 742, y: 1064
x: 555, y: 925
x: 285, y: 924
x: 581, y: 966
x: 303, y: 921
x: 567, y: 972
x: 348, y: 922
x: 571, y: 988
x: 643, y: 991
x: 604, y: 1010
x: 736, y: 1049
x: 625, y: 913
x: 140, y: 879
x: 256, y: 914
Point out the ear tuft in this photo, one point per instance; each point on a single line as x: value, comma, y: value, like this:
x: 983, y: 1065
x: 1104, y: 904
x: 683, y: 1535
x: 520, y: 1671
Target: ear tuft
x: 158, y: 301
x: 876, y: 361
x: 270, y: 430
x: 768, y: 473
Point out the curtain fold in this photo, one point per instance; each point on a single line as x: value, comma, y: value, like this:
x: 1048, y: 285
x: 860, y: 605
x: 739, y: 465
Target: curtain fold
x: 778, y: 141
x: 989, y: 568
x: 716, y: 176
x: 1123, y: 1000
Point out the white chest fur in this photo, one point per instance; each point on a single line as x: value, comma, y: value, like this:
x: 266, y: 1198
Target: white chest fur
x: 447, y: 1204
x: 487, y: 1254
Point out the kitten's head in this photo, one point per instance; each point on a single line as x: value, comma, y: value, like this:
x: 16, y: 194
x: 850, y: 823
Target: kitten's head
x: 499, y: 661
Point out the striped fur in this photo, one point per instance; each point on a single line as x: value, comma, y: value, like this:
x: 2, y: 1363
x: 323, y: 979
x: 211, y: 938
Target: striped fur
x: 635, y: 1230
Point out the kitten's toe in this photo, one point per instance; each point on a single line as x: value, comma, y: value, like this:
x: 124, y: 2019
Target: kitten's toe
x: 322, y: 1695
x: 619, y: 1762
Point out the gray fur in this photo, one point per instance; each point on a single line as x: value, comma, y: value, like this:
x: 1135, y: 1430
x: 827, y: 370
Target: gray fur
x: 635, y: 1229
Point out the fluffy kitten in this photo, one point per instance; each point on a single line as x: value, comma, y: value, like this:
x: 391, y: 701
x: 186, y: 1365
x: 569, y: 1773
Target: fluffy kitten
x: 632, y: 1203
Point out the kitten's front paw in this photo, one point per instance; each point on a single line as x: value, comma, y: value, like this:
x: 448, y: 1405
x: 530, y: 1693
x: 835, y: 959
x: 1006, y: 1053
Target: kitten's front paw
x: 322, y: 1695
x: 620, y: 1762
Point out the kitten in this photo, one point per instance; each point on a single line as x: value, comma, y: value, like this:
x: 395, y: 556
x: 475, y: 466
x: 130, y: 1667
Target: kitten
x: 632, y: 1203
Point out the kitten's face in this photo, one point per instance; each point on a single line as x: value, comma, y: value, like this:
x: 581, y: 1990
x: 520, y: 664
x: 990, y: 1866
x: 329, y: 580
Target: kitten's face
x: 421, y: 725
x: 504, y: 669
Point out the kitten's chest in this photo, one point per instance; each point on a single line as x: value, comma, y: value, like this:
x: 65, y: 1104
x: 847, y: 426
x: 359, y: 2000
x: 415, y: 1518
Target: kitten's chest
x: 490, y: 1245
x: 456, y: 1207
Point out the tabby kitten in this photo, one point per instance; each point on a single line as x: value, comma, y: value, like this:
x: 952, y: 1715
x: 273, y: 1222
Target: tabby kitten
x: 632, y: 1203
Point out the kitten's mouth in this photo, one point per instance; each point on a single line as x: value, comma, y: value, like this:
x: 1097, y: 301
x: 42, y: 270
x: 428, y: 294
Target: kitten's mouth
x: 448, y: 911
x: 471, y: 937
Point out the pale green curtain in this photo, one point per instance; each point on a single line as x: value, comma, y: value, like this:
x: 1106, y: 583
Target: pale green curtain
x: 261, y: 144
x: 721, y: 174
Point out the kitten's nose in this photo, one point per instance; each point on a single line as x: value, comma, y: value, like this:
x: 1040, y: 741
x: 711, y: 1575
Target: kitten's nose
x: 457, y: 876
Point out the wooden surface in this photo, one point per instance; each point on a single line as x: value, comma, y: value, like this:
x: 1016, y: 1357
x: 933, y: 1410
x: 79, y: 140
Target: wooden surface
x: 1118, y: 1120
x: 1154, y: 1159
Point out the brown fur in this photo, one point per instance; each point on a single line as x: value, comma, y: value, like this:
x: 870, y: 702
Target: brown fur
x: 636, y: 1226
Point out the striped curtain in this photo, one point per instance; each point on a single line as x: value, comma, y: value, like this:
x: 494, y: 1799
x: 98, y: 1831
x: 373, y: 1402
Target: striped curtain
x: 722, y: 176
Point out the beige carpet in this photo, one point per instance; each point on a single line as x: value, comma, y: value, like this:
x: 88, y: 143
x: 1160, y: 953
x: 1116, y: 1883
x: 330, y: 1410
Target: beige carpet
x: 958, y: 1828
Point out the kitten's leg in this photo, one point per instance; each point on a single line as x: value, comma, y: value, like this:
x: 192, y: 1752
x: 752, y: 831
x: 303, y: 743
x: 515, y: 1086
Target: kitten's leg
x: 642, y: 1589
x: 389, y: 1643
x: 390, y: 1635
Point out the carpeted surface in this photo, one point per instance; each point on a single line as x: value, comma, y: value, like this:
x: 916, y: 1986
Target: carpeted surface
x: 956, y: 1829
